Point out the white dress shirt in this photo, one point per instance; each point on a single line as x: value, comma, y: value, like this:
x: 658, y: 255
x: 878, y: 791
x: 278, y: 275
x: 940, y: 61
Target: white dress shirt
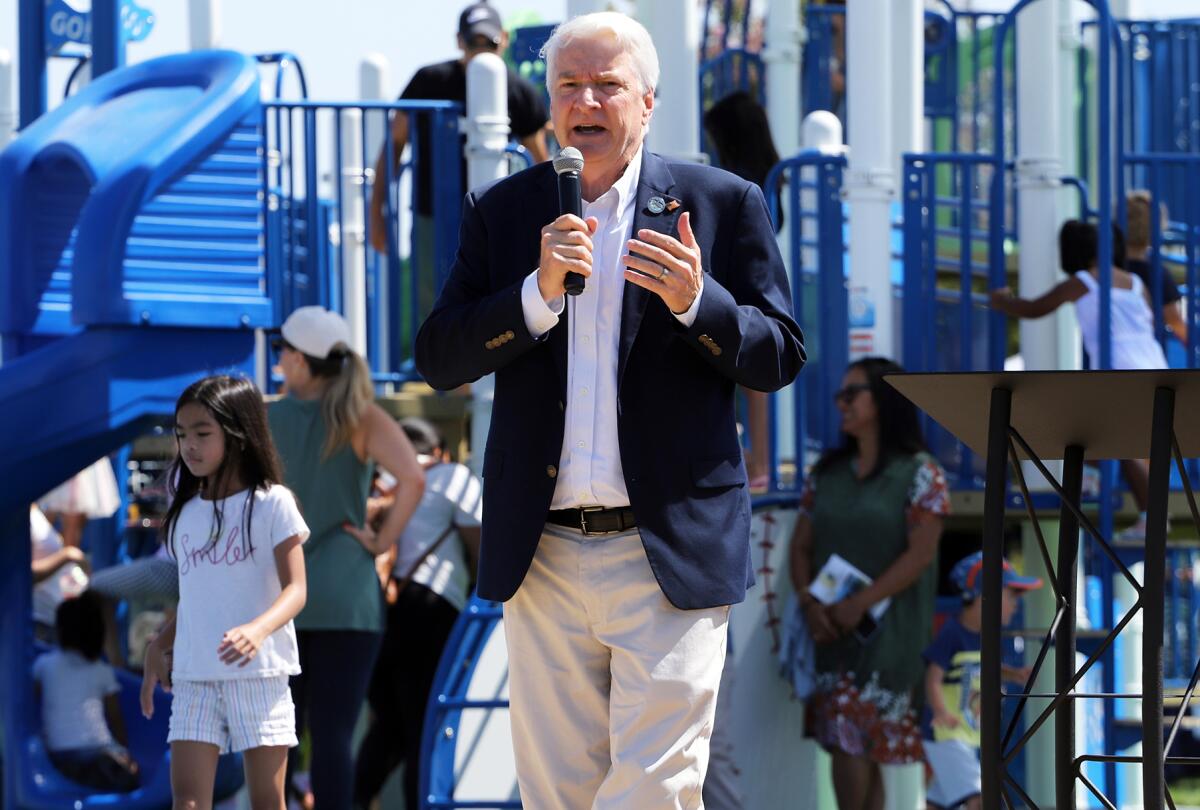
x: 589, y: 469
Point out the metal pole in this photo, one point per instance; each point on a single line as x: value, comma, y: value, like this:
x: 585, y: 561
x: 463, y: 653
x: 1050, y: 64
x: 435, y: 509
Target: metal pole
x: 993, y: 560
x: 487, y: 160
x: 32, y: 67
x: 353, y: 230
x: 783, y: 57
x: 1064, y: 652
x: 1161, y: 432
x: 674, y: 26
x: 821, y: 132
x: 16, y: 654
x: 908, y: 79
x: 487, y: 119
x: 1038, y: 169
x: 108, y: 37
x: 373, y: 83
x: 204, y: 24
x: 870, y: 183
x: 8, y: 107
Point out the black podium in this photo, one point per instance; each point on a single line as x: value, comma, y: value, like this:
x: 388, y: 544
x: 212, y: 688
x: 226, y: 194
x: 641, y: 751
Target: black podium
x: 1075, y: 416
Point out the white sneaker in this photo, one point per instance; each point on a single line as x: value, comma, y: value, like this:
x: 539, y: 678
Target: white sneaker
x: 1133, y: 534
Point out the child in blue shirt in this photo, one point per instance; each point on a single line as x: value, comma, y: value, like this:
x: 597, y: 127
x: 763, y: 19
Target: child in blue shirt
x: 950, y: 724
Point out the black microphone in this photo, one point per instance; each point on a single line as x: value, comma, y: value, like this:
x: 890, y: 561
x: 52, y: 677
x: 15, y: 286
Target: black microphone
x: 568, y: 165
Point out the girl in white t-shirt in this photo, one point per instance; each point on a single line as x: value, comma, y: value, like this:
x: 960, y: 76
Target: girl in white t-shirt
x: 235, y: 534
x: 1131, y: 323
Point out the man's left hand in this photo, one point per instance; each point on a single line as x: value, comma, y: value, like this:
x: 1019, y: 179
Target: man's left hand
x: 668, y: 267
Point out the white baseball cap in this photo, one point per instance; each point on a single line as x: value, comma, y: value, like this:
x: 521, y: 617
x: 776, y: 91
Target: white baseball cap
x: 316, y: 331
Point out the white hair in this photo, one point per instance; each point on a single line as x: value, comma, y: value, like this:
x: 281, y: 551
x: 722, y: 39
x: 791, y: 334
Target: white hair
x: 630, y: 35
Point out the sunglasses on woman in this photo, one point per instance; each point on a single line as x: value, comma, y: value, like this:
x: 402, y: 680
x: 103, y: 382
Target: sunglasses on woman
x: 847, y: 394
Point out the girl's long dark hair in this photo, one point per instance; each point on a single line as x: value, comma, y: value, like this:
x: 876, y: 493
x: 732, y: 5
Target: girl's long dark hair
x: 739, y: 130
x: 237, y: 407
x: 899, y: 423
x: 741, y: 134
x: 1079, y: 246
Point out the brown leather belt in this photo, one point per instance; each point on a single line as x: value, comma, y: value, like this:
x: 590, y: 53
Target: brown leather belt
x: 594, y: 519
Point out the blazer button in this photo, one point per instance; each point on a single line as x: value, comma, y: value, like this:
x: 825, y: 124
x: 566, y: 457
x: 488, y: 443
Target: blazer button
x: 551, y: 471
x: 509, y: 335
x: 491, y: 344
x: 716, y: 350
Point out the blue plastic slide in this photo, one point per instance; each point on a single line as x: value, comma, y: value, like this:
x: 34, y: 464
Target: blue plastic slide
x: 131, y: 263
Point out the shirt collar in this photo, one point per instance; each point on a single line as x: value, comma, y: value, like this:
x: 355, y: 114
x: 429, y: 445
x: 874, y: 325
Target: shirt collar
x: 626, y: 185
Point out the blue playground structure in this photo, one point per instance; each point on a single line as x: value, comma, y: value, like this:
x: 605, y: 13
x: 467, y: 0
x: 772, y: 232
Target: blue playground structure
x: 143, y: 192
x: 157, y: 218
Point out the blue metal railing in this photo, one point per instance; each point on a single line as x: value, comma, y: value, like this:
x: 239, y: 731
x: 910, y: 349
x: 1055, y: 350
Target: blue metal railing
x: 948, y: 326
x: 728, y: 63
x: 310, y: 238
x: 957, y: 48
x: 826, y: 26
x: 810, y: 184
x: 448, y: 699
x: 1178, y: 240
x: 283, y: 60
x: 1158, y: 99
x: 974, y: 43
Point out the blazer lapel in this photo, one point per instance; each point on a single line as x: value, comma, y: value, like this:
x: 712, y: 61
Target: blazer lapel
x: 655, y: 182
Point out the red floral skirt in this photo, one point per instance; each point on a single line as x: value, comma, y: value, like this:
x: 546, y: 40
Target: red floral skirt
x: 867, y: 722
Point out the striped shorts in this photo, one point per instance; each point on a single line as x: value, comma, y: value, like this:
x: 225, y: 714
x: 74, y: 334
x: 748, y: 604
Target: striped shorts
x: 234, y: 715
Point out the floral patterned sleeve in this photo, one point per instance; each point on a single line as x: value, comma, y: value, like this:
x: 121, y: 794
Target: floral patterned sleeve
x: 808, y: 496
x: 928, y: 494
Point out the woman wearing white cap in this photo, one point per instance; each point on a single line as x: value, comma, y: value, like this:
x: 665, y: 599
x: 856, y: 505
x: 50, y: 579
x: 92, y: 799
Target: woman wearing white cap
x: 330, y: 434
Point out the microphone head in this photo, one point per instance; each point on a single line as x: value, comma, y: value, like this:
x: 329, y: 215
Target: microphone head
x: 568, y: 160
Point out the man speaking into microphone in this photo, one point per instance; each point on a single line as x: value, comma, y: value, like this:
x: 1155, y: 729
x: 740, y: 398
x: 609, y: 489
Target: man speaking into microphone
x: 616, y: 516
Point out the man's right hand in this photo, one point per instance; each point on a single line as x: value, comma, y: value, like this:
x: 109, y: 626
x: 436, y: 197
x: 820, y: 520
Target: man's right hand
x: 566, y: 248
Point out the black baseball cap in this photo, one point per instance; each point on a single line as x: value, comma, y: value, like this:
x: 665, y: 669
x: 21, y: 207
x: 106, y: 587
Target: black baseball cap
x: 480, y: 20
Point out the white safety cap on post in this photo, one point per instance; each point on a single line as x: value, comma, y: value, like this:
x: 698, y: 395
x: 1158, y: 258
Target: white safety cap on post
x: 822, y: 131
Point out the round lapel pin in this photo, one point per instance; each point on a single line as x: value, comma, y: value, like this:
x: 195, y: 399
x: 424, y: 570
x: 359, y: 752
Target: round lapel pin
x: 656, y: 205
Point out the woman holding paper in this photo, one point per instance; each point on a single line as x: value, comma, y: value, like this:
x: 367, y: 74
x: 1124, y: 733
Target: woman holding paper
x: 862, y: 559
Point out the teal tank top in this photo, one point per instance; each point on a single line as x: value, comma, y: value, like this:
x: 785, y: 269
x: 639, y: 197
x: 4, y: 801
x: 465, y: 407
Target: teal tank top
x: 343, y: 590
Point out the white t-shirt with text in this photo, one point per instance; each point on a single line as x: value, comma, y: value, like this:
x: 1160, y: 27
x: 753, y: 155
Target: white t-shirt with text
x: 73, y: 693
x: 230, y: 580
x: 453, y: 498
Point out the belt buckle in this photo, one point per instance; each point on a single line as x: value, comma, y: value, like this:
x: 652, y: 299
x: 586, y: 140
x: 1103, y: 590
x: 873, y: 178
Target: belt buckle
x: 583, y: 527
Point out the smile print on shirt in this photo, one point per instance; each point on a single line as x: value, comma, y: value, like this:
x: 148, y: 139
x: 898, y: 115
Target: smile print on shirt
x: 229, y: 552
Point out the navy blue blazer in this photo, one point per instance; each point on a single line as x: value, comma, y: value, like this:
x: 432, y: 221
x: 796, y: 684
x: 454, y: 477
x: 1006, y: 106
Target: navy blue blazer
x: 675, y: 402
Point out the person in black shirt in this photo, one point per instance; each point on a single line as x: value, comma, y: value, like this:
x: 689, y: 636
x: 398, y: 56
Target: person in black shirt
x: 479, y: 31
x: 1137, y: 261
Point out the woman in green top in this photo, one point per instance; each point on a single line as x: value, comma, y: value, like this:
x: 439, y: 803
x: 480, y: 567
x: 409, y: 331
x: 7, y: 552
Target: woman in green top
x: 877, y: 501
x: 330, y: 434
